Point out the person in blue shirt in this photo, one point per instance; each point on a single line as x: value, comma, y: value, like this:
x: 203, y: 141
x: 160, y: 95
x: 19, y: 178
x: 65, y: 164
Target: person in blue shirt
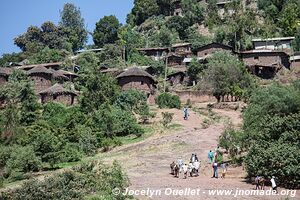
x: 210, y: 156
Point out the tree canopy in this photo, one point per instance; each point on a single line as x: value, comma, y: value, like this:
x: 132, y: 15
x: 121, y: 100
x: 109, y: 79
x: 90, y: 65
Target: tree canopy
x: 106, y: 31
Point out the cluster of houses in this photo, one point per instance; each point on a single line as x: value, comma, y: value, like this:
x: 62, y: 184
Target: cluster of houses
x: 221, y: 5
x: 48, y: 81
x: 265, y: 60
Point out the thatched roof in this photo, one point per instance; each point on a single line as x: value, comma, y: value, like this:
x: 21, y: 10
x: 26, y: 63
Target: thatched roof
x: 58, y: 75
x: 135, y: 71
x: 57, y: 89
x: 47, y: 65
x: 5, y: 71
x: 67, y: 73
x: 39, y: 70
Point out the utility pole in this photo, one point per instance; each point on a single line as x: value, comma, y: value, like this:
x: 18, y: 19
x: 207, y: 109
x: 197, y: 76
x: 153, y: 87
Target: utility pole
x: 166, y: 68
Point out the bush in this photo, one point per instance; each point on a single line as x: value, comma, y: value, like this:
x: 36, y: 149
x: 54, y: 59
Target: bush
x: 88, y: 142
x: 275, y: 159
x: 167, y: 118
x: 167, y: 100
x: 231, y: 140
x: 71, y: 153
x: 113, y: 121
x: 5, y: 152
x: 23, y: 159
x: 78, y: 183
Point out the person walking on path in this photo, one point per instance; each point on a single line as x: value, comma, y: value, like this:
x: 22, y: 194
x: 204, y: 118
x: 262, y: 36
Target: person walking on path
x: 215, y: 169
x: 224, y: 169
x: 185, y: 113
x: 210, y: 156
x: 274, y: 186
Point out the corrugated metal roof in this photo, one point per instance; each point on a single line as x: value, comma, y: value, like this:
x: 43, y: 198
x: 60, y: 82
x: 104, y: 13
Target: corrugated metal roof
x: 272, y: 39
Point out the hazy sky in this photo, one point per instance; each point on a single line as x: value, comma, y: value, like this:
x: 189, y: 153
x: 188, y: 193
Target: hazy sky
x: 17, y: 15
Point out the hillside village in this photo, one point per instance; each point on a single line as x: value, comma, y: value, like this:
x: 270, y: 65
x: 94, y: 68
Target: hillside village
x: 267, y: 58
x: 69, y: 109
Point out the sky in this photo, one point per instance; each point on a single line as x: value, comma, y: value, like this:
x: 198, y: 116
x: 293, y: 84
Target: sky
x: 17, y: 15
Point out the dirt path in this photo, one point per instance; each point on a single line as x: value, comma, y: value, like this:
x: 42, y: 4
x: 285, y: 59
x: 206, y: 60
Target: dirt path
x: 147, y: 162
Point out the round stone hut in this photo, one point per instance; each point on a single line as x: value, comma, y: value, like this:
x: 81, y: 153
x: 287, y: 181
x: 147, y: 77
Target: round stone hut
x: 41, y: 76
x: 57, y: 93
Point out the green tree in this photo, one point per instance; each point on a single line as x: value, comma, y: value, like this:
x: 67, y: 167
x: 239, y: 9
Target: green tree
x: 289, y: 19
x: 73, y: 26
x: 111, y: 56
x: 35, y: 39
x: 106, y: 31
x: 224, y: 75
x: 296, y: 42
x: 21, y: 104
x: 195, y: 70
x: 193, y: 11
x: 48, y: 55
x: 142, y: 10
x: 98, y: 86
x: 7, y: 58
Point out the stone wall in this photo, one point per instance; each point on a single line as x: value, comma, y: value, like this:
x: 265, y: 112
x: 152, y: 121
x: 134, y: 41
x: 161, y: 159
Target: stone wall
x: 66, y: 99
x: 41, y: 82
x: 194, y: 96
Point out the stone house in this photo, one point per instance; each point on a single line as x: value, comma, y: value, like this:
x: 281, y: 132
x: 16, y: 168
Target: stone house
x: 283, y: 43
x: 41, y: 77
x: 57, y: 93
x: 265, y: 63
x: 211, y: 48
x: 174, y: 60
x: 183, y: 49
x: 136, y: 78
x: 176, y: 78
x: 156, y: 53
x: 295, y: 61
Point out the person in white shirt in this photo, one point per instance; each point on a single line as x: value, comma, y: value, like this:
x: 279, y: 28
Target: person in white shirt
x: 274, y: 186
x: 185, y: 170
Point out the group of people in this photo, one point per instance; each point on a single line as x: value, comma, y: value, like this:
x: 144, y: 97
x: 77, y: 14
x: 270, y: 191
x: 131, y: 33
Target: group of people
x: 213, y: 160
x: 192, y: 167
x: 260, y: 183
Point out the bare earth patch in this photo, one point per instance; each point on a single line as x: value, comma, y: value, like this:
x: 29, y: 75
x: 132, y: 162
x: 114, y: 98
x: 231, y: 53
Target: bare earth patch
x: 147, y: 162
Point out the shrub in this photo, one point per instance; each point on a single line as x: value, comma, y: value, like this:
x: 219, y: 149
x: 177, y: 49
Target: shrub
x: 23, y: 159
x: 167, y: 100
x: 113, y: 121
x: 5, y: 152
x: 77, y: 183
x: 71, y: 153
x: 167, y: 118
x: 88, y: 142
x: 231, y: 140
x: 275, y: 159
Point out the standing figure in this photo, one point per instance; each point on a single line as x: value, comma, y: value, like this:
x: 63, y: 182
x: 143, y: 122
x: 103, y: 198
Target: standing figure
x: 185, y: 170
x: 210, y: 156
x: 224, y: 169
x: 193, y: 158
x: 185, y: 113
x: 215, y: 169
x: 274, y: 186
